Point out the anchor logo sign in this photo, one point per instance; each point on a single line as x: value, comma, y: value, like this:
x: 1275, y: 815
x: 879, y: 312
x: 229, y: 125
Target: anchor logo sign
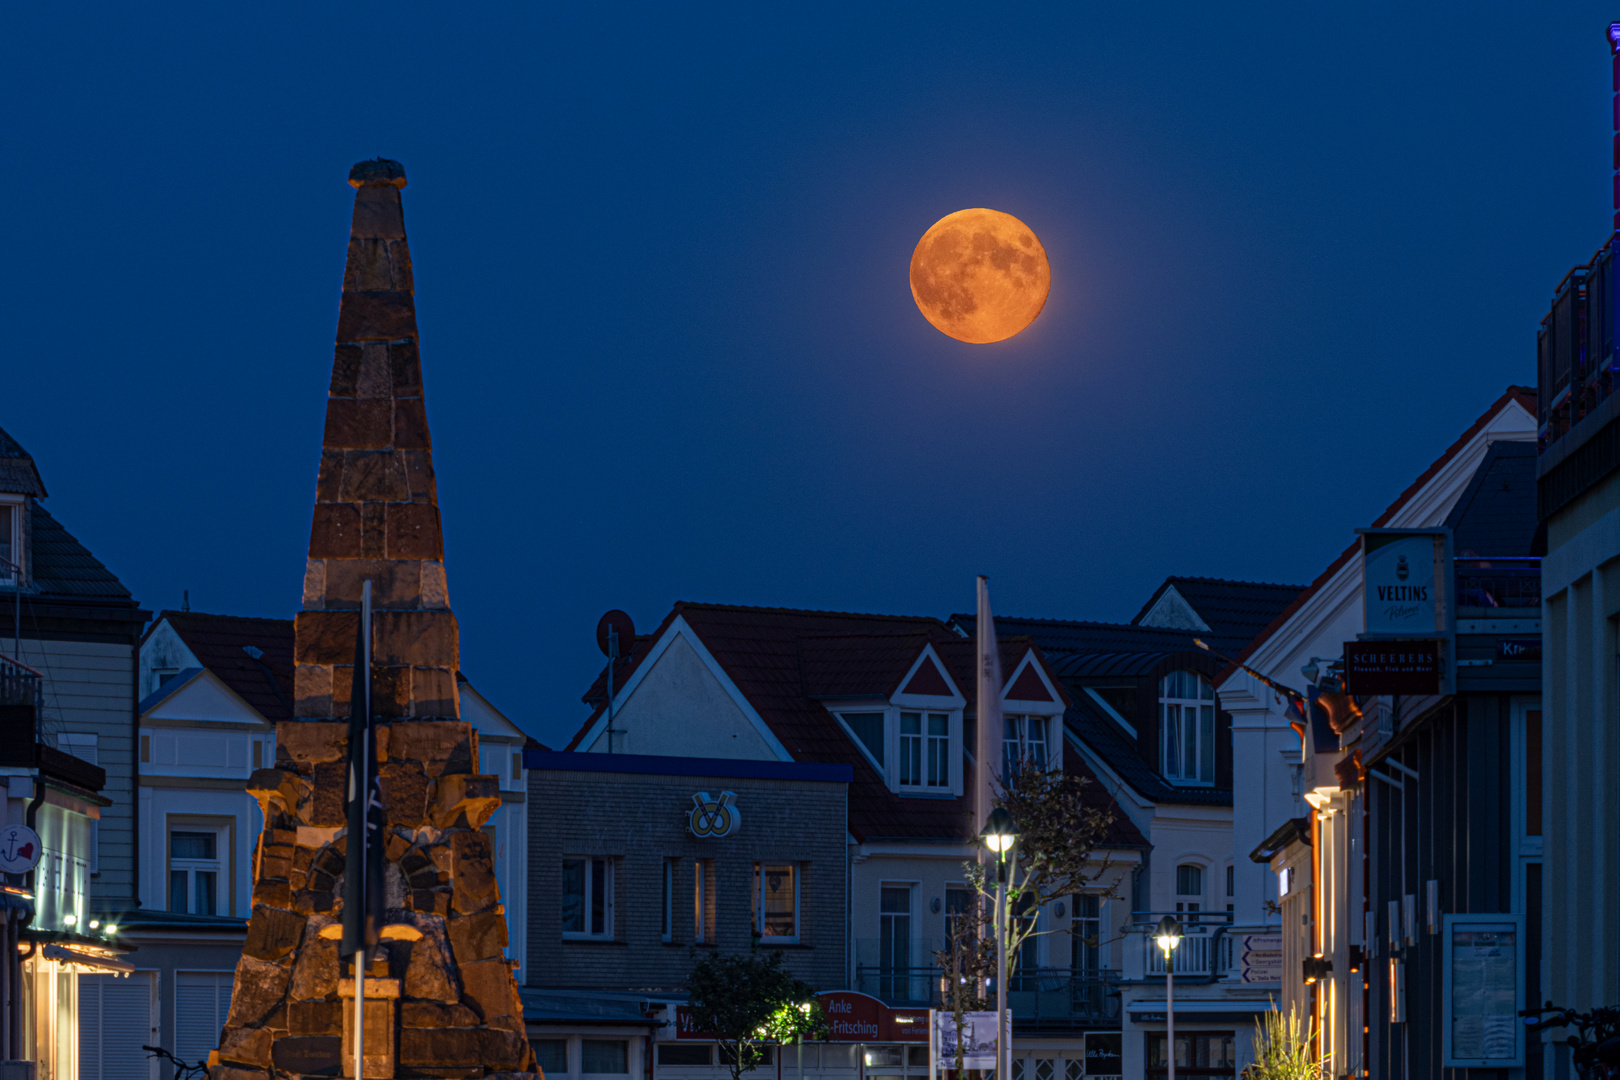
x: 19, y: 849
x: 713, y: 817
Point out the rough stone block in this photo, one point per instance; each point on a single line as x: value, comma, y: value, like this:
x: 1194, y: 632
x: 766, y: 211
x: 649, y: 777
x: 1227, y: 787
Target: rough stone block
x: 435, y: 593
x: 411, y: 425
x: 473, y: 872
x: 314, y: 1017
x: 272, y: 933
x: 394, y: 584
x: 314, y: 584
x: 325, y: 637
x: 435, y: 1015
x: 414, y: 531
x: 271, y: 893
x: 391, y: 691
x: 245, y: 1046
x: 330, y: 788
x: 307, y: 742
x: 278, y: 791
x: 315, y: 975
x: 405, y: 793
x: 376, y: 315
x: 430, y: 901
x: 376, y: 380
x: 367, y: 266
x: 431, y: 973
x: 399, y: 260
x: 235, y: 1072
x: 440, y: 1046
x: 416, y: 638
x: 329, y: 477
x: 312, y: 691
x: 396, y: 846
x: 434, y: 692
x: 442, y: 746
x: 499, y: 1049
x: 260, y: 986
x: 373, y: 476
x: 310, y: 1055
x: 378, y: 214
x: 374, y: 530
x: 491, y: 988
x: 476, y: 797
x: 345, y: 371
x: 357, y: 423
x: 419, y: 475
x: 405, y: 362
x: 335, y: 532
x: 477, y: 937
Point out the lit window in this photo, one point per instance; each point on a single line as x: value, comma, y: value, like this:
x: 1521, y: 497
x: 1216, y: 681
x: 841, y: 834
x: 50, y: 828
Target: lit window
x: 1024, y: 741
x: 925, y: 750
x: 587, y: 897
x: 776, y: 902
x: 1187, y: 727
x: 194, y: 872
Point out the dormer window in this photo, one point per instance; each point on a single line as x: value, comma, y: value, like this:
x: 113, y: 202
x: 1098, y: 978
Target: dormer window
x: 1024, y: 741
x: 868, y: 728
x: 10, y: 542
x: 1187, y: 728
x: 925, y: 742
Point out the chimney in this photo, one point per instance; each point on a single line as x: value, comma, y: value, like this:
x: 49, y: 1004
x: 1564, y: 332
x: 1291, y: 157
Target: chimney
x: 376, y: 504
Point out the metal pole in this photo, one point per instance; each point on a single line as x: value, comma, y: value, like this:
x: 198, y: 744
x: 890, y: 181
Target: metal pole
x: 1003, y: 1043
x: 1170, y: 1007
x: 613, y: 658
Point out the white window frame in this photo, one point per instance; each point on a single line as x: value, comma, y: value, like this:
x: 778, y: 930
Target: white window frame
x: 1181, y: 776
x: 929, y: 753
x: 588, y: 898
x: 15, y: 502
x: 219, y: 866
x: 761, y: 868
x: 1016, y: 731
x: 1191, y: 905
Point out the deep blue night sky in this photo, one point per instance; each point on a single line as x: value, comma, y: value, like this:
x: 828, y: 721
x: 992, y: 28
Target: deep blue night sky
x: 661, y: 281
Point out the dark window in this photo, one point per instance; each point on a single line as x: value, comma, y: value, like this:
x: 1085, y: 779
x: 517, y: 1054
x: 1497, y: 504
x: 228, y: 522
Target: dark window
x: 683, y: 1054
x: 551, y: 1055
x: 1532, y: 772
x: 604, y: 1056
x: 868, y: 727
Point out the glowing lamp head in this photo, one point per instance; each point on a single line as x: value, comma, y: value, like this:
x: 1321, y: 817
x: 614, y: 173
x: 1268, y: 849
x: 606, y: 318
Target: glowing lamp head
x: 1168, y: 934
x: 112, y: 928
x: 70, y: 920
x: 999, y: 834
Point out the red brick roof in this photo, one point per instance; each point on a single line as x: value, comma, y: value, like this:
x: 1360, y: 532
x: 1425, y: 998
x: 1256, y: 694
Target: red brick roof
x: 1524, y: 396
x: 220, y: 644
x: 788, y: 662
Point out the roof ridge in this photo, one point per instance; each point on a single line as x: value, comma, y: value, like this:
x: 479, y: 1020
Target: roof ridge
x: 170, y: 613
x: 1233, y: 581
x: 704, y: 606
x: 1069, y: 622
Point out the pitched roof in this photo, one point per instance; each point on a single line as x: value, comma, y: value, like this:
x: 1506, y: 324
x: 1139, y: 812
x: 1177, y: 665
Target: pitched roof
x: 1523, y: 396
x: 1054, y: 636
x: 220, y: 643
x: 1102, y: 735
x: 1496, y: 515
x: 1235, y: 611
x: 777, y: 656
x: 61, y: 566
x: 18, y: 473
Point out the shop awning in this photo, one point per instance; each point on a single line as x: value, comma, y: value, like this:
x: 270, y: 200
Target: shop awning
x: 94, y: 962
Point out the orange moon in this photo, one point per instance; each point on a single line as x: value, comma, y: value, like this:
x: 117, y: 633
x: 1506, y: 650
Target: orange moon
x: 980, y: 275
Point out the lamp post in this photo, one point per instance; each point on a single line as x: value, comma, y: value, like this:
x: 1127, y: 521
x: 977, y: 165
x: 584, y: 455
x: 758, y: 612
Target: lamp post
x: 1168, y: 937
x: 999, y: 835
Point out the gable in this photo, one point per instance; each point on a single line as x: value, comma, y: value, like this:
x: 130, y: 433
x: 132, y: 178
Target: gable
x: 1028, y: 687
x: 1172, y: 611
x: 928, y: 681
x: 485, y: 718
x: 204, y: 698
x: 678, y: 707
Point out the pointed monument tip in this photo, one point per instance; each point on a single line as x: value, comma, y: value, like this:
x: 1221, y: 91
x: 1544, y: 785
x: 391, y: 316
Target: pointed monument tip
x: 378, y: 172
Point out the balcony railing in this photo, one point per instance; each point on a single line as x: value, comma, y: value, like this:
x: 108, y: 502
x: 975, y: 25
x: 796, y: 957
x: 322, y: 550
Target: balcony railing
x: 1499, y: 586
x: 1205, y: 950
x: 19, y: 684
x: 1047, y: 998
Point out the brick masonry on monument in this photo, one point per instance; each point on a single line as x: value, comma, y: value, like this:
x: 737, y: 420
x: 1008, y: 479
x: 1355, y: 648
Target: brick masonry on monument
x: 441, y: 1000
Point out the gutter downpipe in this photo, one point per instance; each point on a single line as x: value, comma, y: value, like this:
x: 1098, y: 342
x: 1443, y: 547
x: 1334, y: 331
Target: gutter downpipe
x: 14, y: 929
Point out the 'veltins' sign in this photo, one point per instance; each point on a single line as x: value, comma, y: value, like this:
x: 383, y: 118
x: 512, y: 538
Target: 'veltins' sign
x: 1401, y: 594
x: 1392, y: 667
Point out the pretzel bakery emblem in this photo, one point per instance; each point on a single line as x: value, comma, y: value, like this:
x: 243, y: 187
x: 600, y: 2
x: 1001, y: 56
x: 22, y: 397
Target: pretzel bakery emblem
x: 713, y: 817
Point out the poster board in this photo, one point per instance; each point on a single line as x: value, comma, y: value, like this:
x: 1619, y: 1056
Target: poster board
x: 978, y: 1039
x: 1484, y: 979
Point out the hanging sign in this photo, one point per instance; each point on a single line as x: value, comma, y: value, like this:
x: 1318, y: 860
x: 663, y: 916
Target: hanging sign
x: 713, y: 817
x: 1392, y: 666
x: 19, y: 849
x: 1403, y: 581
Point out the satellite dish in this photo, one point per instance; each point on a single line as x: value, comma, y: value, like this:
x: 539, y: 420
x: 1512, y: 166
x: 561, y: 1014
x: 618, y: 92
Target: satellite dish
x: 621, y: 624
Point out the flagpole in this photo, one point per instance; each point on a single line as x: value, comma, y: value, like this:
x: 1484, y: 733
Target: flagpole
x: 365, y: 794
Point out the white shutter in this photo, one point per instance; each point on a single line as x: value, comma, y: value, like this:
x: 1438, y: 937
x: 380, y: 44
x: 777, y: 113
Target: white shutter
x: 115, y: 1021
x: 201, y: 1001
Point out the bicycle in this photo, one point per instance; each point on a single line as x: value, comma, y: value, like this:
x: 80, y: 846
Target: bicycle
x: 182, y: 1071
x: 1595, y: 1046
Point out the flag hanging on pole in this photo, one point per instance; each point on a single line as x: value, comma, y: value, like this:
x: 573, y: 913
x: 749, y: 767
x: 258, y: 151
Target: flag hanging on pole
x: 987, y: 691
x: 363, y: 865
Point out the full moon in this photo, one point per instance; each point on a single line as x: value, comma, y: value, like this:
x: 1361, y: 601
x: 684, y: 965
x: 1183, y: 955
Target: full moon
x: 980, y: 275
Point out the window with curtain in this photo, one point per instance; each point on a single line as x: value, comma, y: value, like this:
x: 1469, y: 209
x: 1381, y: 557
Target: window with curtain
x: 194, y: 871
x: 925, y: 750
x: 1187, y: 728
x: 1023, y: 740
x: 587, y: 897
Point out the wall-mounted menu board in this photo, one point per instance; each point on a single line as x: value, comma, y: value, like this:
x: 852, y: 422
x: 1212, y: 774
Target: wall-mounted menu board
x: 1484, y: 970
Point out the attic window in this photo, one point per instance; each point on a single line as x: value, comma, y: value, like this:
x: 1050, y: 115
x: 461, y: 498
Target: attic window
x: 1187, y: 727
x: 10, y: 547
x: 868, y: 728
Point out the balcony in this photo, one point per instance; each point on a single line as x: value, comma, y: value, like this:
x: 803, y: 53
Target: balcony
x: 19, y: 684
x: 1054, y: 999
x: 1205, y: 952
x: 1498, y: 588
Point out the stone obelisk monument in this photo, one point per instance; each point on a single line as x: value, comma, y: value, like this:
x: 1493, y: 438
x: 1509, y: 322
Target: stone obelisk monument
x: 440, y: 997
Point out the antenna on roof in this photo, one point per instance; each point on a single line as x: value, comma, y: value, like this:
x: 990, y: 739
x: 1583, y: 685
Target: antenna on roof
x: 612, y: 629
x: 185, y: 599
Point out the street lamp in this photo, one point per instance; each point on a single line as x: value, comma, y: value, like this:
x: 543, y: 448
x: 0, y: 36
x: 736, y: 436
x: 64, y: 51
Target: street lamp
x: 1168, y: 936
x: 1000, y: 834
